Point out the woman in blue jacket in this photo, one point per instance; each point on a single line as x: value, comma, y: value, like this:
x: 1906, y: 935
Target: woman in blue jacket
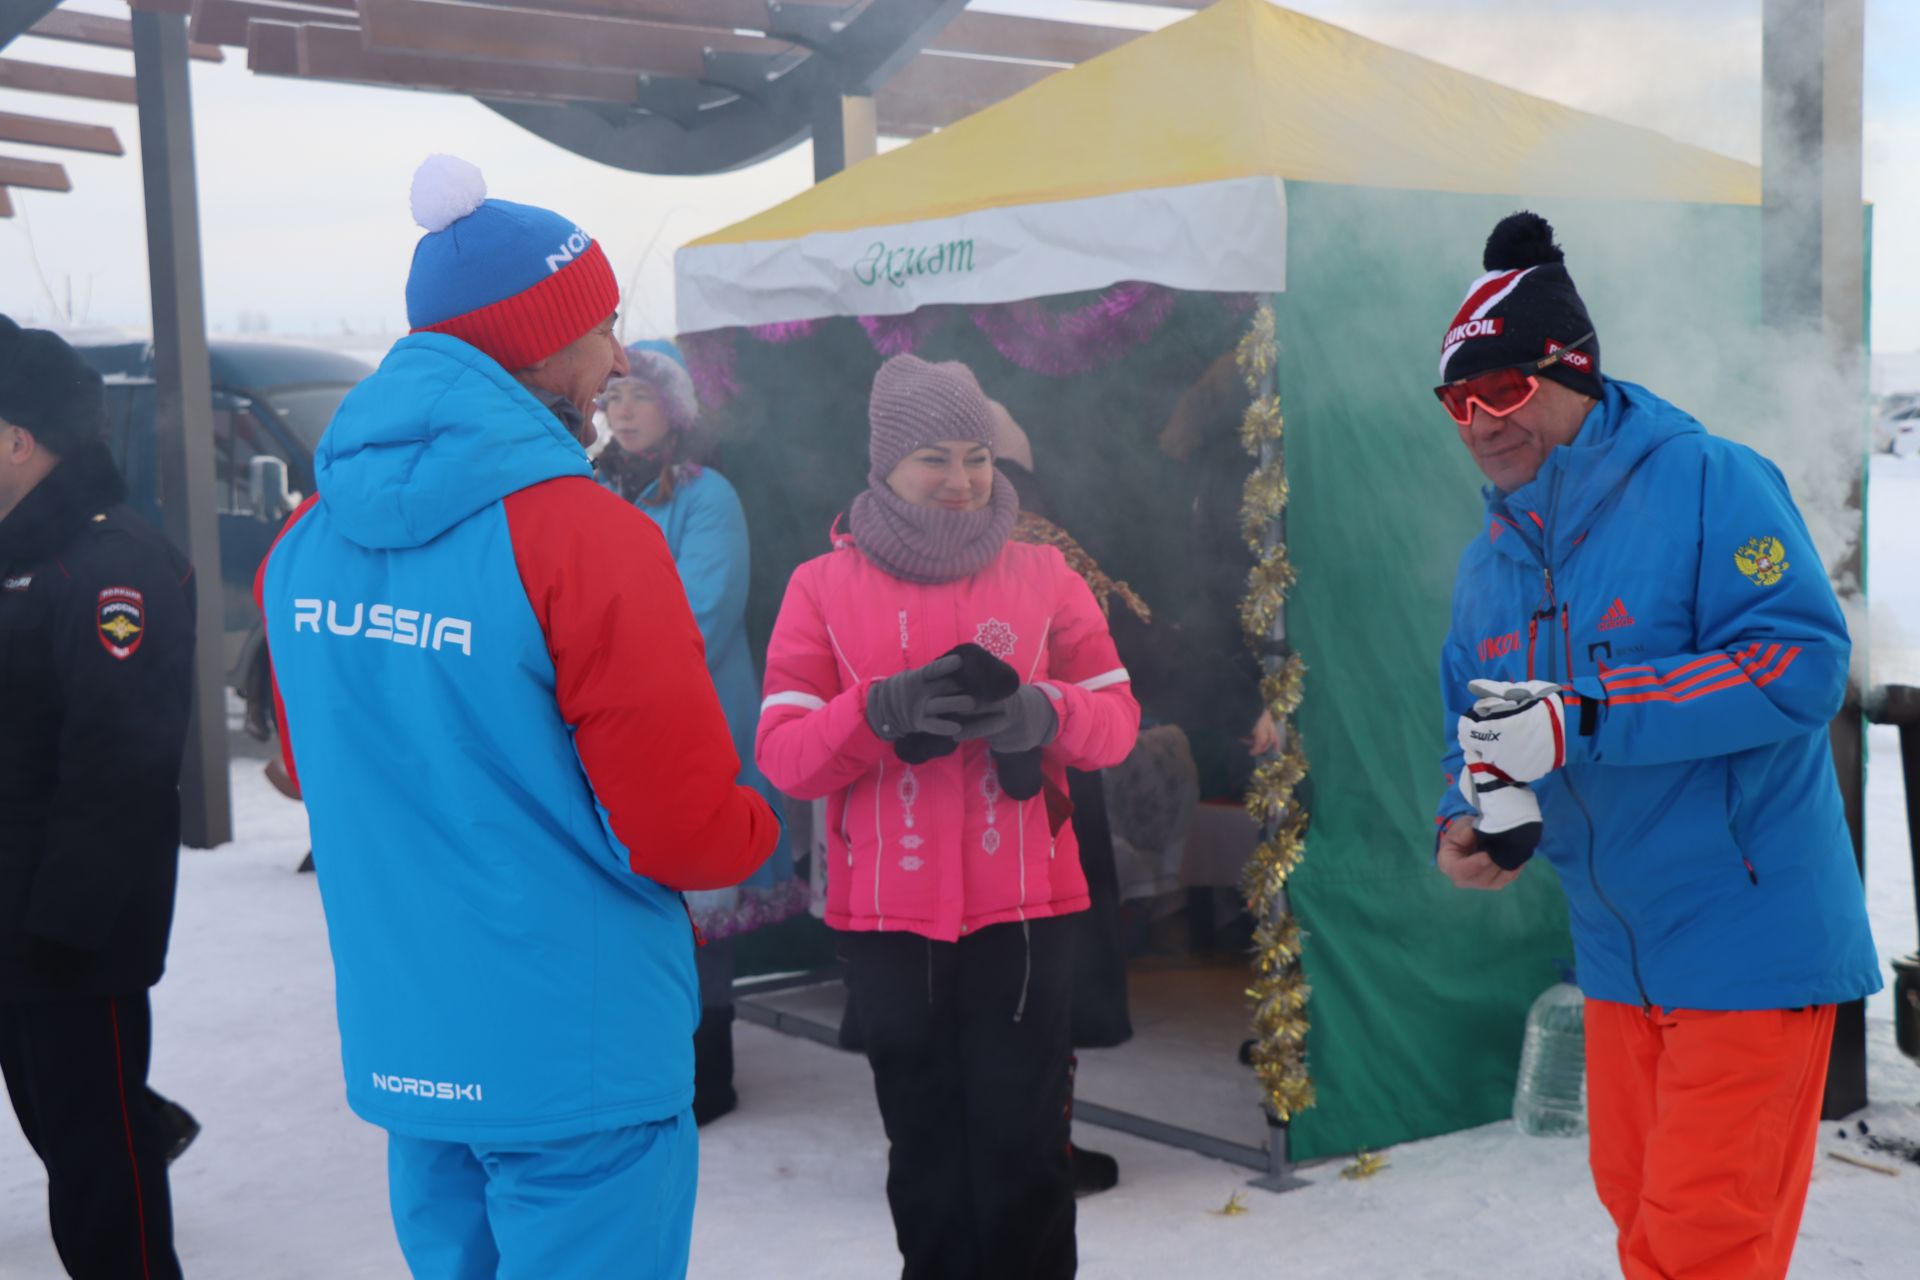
x: 650, y: 414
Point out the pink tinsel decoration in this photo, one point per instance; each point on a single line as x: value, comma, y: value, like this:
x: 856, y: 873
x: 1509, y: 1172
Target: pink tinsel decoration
x: 902, y: 335
x: 1060, y: 344
x: 784, y: 332
x: 712, y: 360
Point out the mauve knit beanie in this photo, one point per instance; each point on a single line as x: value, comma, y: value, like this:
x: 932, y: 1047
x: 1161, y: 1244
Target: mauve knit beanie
x: 917, y: 403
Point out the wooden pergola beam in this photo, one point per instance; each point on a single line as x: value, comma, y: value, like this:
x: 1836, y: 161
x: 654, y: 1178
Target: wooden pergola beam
x: 1034, y: 39
x: 335, y: 53
x: 751, y: 15
x: 934, y: 90
x: 6, y: 204
x: 273, y: 48
x: 104, y: 32
x: 224, y: 22
x: 38, y: 77
x: 315, y: 52
x: 40, y: 175
x: 448, y: 28
x: 65, y: 134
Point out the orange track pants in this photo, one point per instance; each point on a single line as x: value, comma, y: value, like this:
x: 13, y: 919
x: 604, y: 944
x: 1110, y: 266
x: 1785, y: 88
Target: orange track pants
x: 1702, y: 1129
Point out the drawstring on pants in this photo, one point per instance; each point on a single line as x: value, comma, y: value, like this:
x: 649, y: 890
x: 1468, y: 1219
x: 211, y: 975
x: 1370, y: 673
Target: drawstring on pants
x: 1026, y: 979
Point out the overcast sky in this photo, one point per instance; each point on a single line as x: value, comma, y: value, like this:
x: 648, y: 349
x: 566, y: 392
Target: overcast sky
x: 303, y: 185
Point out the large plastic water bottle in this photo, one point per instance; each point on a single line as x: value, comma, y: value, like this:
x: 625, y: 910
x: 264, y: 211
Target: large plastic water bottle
x: 1550, y: 1098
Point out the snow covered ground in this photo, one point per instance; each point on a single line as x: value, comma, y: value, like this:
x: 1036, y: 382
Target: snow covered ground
x: 285, y: 1184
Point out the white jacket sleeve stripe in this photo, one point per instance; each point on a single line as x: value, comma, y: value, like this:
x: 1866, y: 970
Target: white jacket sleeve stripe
x: 805, y: 701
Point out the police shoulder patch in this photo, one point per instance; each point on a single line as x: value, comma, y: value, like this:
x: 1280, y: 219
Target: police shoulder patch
x: 1762, y: 560
x: 121, y: 615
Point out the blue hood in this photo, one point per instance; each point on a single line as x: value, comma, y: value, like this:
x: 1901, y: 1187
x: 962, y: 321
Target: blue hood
x: 439, y: 432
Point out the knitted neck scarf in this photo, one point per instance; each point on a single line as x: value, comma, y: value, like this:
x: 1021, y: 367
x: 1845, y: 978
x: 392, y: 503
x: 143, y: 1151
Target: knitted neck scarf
x: 931, y: 544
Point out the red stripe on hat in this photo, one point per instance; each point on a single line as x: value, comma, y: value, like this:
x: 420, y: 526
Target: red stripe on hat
x: 1480, y: 295
x: 526, y: 328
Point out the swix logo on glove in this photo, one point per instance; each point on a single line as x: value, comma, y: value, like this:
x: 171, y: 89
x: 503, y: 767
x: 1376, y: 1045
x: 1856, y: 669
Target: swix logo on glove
x: 1531, y: 740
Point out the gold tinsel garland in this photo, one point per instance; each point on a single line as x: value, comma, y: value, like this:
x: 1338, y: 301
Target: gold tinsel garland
x: 1279, y: 991
x: 1259, y: 349
x: 1264, y: 498
x: 1262, y: 424
x: 1281, y: 690
x: 1267, y: 586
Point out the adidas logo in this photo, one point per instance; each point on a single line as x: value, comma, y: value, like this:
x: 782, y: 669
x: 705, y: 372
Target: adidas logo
x: 1616, y: 617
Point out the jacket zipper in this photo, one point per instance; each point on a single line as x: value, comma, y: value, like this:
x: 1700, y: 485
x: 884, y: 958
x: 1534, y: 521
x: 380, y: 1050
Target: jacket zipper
x: 1593, y: 872
x: 1566, y: 633
x: 1593, y: 877
x: 699, y: 934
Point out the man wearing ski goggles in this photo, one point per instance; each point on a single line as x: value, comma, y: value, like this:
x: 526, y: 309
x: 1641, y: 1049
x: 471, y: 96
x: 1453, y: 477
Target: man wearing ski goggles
x: 1521, y: 415
x: 1501, y: 391
x: 1643, y: 656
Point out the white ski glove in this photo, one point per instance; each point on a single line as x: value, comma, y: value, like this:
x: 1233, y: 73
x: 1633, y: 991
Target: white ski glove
x: 1519, y: 729
x: 1509, y: 826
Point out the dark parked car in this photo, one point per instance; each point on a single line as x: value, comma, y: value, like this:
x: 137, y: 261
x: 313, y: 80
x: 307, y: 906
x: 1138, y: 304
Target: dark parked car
x: 271, y: 402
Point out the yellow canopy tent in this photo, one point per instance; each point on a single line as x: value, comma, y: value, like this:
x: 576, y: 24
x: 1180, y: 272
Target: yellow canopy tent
x: 1166, y: 161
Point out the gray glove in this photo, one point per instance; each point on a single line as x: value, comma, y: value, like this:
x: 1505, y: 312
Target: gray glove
x: 1020, y: 723
x: 920, y: 700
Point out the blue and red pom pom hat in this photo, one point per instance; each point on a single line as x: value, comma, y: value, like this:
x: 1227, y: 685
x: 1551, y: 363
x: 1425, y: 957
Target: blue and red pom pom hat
x: 515, y: 281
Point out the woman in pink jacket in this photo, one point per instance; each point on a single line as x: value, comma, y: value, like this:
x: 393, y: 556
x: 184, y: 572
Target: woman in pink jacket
x: 951, y: 890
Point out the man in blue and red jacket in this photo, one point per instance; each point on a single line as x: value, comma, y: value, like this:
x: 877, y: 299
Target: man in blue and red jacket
x: 513, y: 760
x: 1645, y: 644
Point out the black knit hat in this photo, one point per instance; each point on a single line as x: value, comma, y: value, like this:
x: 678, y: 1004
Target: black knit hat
x: 1524, y: 307
x: 47, y: 388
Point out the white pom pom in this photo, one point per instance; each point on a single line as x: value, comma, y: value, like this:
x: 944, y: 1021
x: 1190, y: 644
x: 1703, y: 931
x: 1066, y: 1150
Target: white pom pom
x: 445, y: 190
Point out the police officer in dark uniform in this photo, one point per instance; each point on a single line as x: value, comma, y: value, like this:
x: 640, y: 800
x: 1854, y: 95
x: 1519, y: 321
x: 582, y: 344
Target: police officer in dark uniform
x: 96, y: 668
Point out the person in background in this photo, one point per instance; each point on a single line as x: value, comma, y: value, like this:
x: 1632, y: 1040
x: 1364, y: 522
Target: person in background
x: 1100, y: 1019
x: 96, y: 675
x: 914, y: 674
x: 651, y: 414
x: 1678, y: 654
x: 1202, y: 672
x: 513, y: 761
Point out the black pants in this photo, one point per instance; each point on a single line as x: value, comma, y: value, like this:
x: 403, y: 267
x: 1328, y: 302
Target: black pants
x: 969, y: 1042
x: 77, y: 1073
x: 1100, y: 1018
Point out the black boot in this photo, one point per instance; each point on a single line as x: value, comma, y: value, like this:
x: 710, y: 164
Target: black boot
x: 1093, y: 1171
x: 713, y: 1094
x: 176, y: 1122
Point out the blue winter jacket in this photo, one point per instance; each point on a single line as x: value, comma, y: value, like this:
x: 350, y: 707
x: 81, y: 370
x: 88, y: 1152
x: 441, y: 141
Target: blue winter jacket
x: 512, y: 758
x: 706, y: 532
x: 1666, y: 577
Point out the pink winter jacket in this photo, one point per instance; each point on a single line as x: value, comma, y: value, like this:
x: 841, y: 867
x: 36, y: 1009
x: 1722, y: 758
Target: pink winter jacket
x: 937, y: 849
